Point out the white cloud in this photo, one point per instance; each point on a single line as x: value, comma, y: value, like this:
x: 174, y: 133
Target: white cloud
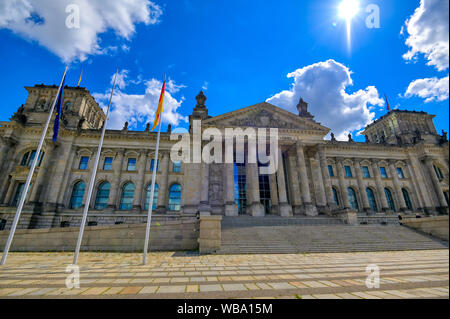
x: 428, y: 33
x: 44, y: 21
x: 141, y: 108
x: 121, y: 79
x: 430, y: 89
x: 205, y: 86
x: 323, y: 85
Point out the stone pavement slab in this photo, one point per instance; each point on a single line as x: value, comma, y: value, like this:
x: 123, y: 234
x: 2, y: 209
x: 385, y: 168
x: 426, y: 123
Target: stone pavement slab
x: 403, y: 274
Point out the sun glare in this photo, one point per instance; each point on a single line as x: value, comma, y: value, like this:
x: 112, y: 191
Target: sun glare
x: 348, y: 9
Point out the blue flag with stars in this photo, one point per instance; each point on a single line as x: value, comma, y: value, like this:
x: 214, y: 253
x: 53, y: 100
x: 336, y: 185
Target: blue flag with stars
x: 58, y: 107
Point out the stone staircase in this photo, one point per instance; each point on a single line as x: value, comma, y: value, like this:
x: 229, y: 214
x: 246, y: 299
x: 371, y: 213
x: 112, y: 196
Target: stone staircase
x: 274, y: 235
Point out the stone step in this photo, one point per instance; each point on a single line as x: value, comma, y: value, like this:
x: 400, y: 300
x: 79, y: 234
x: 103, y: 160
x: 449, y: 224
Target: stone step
x: 324, y: 238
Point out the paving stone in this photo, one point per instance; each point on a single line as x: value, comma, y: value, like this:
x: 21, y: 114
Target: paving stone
x: 326, y: 296
x: 281, y: 285
x: 192, y: 288
x: 171, y: 289
x: 232, y: 287
x: 130, y: 290
x: 148, y: 290
x: 208, y: 288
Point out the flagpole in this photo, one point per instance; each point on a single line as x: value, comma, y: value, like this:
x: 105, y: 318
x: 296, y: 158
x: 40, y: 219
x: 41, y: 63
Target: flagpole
x: 30, y: 175
x: 92, y: 181
x: 152, y: 191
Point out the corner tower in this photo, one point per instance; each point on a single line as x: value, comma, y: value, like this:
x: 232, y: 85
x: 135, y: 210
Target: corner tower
x: 80, y: 110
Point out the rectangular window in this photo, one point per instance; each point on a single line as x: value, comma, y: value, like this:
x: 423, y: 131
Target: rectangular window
x: 348, y: 171
x: 366, y: 172
x: 438, y: 172
x: 383, y: 172
x: 107, y: 166
x: 152, y: 164
x: 131, y: 164
x: 400, y: 173
x: 177, y: 167
x: 84, y: 163
x: 330, y: 170
x: 18, y: 194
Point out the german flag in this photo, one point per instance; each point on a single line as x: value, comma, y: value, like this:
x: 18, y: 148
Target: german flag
x: 160, y: 109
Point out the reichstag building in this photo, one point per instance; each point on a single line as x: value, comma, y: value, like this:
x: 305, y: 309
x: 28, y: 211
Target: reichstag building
x: 402, y: 167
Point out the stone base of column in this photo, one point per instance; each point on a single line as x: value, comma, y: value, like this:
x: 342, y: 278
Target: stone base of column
x: 190, y: 209
x: 310, y: 210
x: 161, y: 209
x: 231, y: 209
x: 323, y: 210
x: 297, y: 209
x: 349, y: 216
x: 204, y: 208
x: 256, y: 210
x: 285, y: 210
x: 429, y: 211
x: 274, y: 210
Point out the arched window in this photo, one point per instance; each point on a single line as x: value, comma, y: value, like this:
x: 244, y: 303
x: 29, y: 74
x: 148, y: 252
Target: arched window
x: 352, y: 198
x: 101, y: 201
x: 147, y: 197
x: 67, y: 106
x: 407, y: 199
x: 28, y: 159
x: 372, y: 200
x: 335, y: 196
x: 175, y: 197
x: 126, y: 201
x: 76, y: 200
x: 389, y: 199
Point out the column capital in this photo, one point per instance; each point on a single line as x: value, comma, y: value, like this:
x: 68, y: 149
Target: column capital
x: 428, y: 159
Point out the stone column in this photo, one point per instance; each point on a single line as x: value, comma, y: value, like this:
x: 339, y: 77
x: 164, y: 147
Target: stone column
x: 308, y: 207
x: 436, y: 184
x: 274, y: 193
x: 326, y: 179
x: 254, y: 206
x: 416, y: 168
x: 380, y: 186
x: 361, y: 186
x: 296, y: 200
x: 163, y: 182
x: 342, y: 185
x: 318, y: 182
x: 284, y: 208
x: 9, y: 193
x: 138, y: 203
x: 3, y: 152
x: 231, y: 208
x: 56, y: 183
x: 397, y: 186
x: 40, y: 176
x: 114, y: 197
x: 418, y: 198
x: 204, y: 206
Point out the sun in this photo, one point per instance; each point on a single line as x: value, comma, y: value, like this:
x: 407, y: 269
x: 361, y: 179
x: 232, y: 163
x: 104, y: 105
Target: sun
x: 348, y: 9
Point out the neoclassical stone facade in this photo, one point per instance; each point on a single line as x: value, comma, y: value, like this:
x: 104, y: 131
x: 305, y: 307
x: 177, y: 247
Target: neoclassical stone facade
x: 402, y: 167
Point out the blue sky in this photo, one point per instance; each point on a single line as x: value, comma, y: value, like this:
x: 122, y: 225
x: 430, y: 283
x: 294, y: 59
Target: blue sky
x: 240, y: 52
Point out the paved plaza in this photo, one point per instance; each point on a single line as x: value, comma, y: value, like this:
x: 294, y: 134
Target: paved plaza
x: 403, y: 274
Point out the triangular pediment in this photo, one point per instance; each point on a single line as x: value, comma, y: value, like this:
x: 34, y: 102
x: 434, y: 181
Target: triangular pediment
x: 265, y: 115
